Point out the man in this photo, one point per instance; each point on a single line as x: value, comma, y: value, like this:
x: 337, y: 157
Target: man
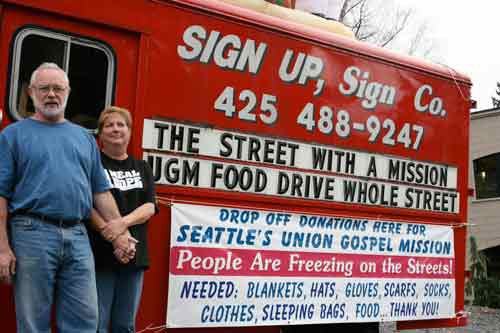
x: 50, y: 177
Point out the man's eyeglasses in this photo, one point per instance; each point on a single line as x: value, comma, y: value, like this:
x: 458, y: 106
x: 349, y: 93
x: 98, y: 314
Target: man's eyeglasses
x: 45, y: 89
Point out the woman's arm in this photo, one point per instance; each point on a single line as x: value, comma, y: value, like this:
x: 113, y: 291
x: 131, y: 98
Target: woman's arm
x: 139, y: 215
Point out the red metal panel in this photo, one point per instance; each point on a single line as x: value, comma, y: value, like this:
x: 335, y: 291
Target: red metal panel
x: 193, y: 87
x: 189, y: 89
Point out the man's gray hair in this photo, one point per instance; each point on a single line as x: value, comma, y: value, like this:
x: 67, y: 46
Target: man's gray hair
x: 47, y: 65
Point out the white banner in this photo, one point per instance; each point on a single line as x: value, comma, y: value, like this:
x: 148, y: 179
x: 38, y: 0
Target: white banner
x: 245, y: 267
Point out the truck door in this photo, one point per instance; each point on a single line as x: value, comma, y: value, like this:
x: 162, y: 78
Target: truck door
x: 94, y: 56
x: 101, y: 62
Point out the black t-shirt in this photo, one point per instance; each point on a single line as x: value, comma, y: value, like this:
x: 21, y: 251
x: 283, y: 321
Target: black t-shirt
x: 132, y: 186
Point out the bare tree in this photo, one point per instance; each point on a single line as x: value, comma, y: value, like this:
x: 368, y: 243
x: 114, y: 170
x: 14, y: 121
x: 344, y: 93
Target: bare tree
x: 387, y: 24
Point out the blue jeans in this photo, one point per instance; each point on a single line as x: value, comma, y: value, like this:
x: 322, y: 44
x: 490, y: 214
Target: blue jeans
x: 53, y: 263
x: 119, y: 293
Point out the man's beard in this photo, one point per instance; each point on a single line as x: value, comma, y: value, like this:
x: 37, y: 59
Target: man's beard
x: 48, y: 111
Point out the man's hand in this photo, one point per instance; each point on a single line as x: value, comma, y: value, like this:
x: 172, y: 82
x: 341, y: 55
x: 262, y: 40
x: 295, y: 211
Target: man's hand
x: 113, y: 229
x: 7, y: 264
x: 124, y: 247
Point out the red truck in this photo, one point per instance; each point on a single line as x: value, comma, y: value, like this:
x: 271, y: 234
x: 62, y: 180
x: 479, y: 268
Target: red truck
x: 303, y: 177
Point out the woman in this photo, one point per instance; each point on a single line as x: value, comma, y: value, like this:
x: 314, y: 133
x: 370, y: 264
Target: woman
x: 119, y: 275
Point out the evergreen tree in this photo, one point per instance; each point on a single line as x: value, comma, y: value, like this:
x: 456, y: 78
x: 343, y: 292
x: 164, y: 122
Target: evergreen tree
x: 496, y: 99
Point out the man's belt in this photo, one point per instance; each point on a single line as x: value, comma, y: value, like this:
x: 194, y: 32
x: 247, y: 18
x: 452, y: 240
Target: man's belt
x: 63, y: 223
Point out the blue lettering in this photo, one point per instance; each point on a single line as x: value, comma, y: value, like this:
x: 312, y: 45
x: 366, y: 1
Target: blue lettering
x: 207, y: 289
x: 267, y: 238
x: 227, y: 313
x: 223, y: 214
x: 238, y: 216
x: 183, y: 233
x: 287, y: 312
x: 369, y: 310
x: 332, y: 311
x: 430, y: 308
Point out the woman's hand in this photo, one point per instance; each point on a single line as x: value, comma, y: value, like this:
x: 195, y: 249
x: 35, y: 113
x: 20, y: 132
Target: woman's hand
x: 124, y: 247
x: 113, y: 229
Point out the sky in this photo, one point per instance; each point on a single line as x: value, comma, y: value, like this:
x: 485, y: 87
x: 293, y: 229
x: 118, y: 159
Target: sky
x: 467, y: 40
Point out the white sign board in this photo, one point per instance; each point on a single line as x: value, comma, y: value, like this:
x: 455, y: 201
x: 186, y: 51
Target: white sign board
x: 232, y: 161
x: 241, y: 267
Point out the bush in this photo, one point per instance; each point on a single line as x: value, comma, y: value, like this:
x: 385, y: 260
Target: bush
x: 484, y: 288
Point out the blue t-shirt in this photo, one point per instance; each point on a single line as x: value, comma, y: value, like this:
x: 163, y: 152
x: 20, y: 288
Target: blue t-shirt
x: 50, y: 169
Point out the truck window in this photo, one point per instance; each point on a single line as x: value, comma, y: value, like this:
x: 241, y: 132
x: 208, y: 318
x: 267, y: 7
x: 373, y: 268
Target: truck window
x: 486, y: 176
x: 90, y: 66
